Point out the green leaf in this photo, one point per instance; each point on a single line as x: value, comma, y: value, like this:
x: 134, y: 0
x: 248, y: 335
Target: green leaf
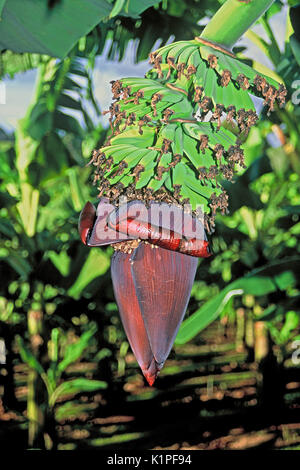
x: 2, y: 3
x: 19, y: 264
x: 284, y: 280
x: 240, y: 193
x: 26, y: 147
x: 295, y: 46
x: 7, y: 229
x: 39, y: 122
x: 295, y: 20
x: 74, y: 386
x: 67, y: 123
x: 6, y: 200
x: 28, y: 208
x: 12, y: 63
x: 30, y: 26
x: 135, y: 7
x: 50, y: 161
x: 70, y: 409
x: 68, y: 102
x: 117, y: 8
x: 259, y: 282
x: 75, y: 189
x: 55, y: 344
x: 74, y: 351
x: 28, y: 357
x: 273, y: 9
x: 205, y: 315
x: 96, y: 265
x: 61, y: 261
x: 292, y: 320
x: 146, y: 43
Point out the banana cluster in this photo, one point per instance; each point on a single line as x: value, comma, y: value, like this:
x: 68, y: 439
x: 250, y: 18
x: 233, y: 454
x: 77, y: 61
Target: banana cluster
x: 179, y: 130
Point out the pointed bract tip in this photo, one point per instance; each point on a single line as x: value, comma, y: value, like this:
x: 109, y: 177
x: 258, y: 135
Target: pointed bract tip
x: 150, y: 378
x: 152, y: 371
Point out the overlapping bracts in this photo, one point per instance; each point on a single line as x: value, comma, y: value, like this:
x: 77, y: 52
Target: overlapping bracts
x: 153, y: 270
x: 159, y: 224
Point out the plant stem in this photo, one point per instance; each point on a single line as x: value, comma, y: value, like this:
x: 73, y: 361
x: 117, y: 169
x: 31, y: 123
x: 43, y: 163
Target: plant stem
x: 240, y: 330
x: 232, y: 20
x: 259, y: 42
x: 35, y: 396
x: 274, y: 53
x: 262, y: 344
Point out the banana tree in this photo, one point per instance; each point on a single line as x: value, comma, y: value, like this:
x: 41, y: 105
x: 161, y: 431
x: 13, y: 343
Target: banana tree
x: 42, y: 421
x: 263, y: 206
x: 175, y: 135
x: 44, y: 153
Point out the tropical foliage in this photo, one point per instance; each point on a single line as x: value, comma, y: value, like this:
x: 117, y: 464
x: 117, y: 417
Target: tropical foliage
x: 57, y: 310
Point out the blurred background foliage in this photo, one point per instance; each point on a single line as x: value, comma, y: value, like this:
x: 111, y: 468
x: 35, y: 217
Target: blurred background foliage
x: 64, y: 357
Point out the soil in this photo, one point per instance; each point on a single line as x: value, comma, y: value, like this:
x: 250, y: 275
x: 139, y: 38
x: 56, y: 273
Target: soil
x: 208, y: 396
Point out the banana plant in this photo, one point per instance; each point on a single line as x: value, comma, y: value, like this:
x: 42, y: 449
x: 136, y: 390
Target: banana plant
x: 175, y: 135
x: 44, y: 153
x: 41, y: 424
x: 44, y: 32
x: 256, y: 222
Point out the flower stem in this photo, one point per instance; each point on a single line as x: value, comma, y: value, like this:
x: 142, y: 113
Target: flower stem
x: 232, y: 20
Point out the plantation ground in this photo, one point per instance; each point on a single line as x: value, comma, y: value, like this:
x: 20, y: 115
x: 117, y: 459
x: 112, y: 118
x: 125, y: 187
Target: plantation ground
x: 208, y: 396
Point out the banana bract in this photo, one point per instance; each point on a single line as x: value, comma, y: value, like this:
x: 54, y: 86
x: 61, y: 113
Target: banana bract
x: 153, y: 270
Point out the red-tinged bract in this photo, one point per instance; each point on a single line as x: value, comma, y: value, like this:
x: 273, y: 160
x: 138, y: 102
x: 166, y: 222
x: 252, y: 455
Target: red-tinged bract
x: 86, y: 221
x: 131, y: 316
x: 153, y: 281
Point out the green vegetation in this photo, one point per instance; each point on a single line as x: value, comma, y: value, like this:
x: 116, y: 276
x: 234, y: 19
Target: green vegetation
x: 67, y: 359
